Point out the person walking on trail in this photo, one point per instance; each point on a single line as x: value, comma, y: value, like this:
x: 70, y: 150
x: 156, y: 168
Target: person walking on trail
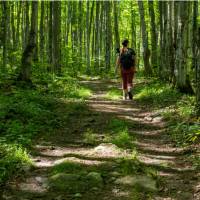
x: 126, y: 62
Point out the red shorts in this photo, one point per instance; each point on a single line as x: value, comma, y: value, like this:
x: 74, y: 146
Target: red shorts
x: 127, y: 77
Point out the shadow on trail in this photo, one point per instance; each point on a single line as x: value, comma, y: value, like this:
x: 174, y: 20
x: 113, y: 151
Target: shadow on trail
x: 65, y: 151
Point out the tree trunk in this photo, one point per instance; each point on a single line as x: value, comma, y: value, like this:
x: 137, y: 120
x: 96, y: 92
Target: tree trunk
x: 50, y: 51
x: 19, y: 6
x: 80, y: 24
x: 153, y: 35
x: 88, y: 38
x: 25, y: 71
x: 108, y: 35
x: 198, y: 73
x: 97, y: 34
x: 27, y: 23
x: 42, y: 31
x: 56, y: 36
x: 5, y: 34
x: 183, y: 82
x: 35, y: 57
x: 13, y: 25
x: 146, y: 51
x: 133, y: 27
x: 116, y: 22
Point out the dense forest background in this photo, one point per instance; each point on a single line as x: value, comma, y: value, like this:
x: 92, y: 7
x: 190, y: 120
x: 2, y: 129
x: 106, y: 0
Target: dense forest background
x: 81, y: 37
x: 60, y: 95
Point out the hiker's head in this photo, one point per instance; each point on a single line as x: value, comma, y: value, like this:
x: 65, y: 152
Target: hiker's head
x: 125, y: 42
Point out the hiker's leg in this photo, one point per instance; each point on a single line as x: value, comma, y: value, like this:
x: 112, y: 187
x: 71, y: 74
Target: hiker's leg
x: 130, y: 84
x: 124, y: 84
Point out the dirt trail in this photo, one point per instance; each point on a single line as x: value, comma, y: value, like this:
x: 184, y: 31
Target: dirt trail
x: 177, y: 178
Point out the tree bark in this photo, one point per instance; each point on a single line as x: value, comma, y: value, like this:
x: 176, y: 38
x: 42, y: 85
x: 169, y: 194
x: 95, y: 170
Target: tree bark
x: 5, y: 34
x: 25, y: 71
x: 146, y: 51
x: 42, y: 31
x: 56, y: 36
x: 108, y: 35
x: 50, y: 51
x: 88, y: 37
x: 153, y: 35
x: 116, y: 22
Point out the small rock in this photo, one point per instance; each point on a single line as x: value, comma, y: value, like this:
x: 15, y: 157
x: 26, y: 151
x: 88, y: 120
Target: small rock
x: 157, y: 119
x: 78, y: 195
x: 115, y: 174
x: 148, y: 118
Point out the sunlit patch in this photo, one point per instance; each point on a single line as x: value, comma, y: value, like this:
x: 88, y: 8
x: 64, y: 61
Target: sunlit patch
x: 119, y: 193
x: 34, y: 184
x: 154, y: 160
x: 80, y: 161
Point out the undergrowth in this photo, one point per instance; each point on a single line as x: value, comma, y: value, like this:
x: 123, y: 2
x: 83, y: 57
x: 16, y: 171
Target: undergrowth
x: 29, y: 112
x: 175, y: 107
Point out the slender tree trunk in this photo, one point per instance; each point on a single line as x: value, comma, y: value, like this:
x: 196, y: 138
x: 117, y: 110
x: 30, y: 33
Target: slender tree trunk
x: 42, y: 31
x: 153, y: 35
x: 19, y: 6
x: 80, y: 24
x: 161, y: 38
x: 116, y: 22
x: 13, y: 25
x: 27, y: 23
x: 5, y: 34
x: 108, y: 35
x: 25, y: 71
x: 97, y: 30
x: 146, y: 53
x: 35, y: 57
x: 57, y: 36
x: 88, y: 38
x: 133, y: 27
x: 50, y: 51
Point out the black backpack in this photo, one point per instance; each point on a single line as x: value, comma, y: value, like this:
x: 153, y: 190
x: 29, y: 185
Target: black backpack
x: 127, y: 58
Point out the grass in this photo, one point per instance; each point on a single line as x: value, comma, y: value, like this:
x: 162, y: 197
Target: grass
x: 27, y: 113
x: 113, y: 94
x: 175, y: 107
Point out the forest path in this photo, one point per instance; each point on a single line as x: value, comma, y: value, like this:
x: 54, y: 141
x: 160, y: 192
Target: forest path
x: 66, y: 167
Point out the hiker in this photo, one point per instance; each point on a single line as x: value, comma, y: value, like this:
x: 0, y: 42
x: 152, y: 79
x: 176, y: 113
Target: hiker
x: 126, y: 62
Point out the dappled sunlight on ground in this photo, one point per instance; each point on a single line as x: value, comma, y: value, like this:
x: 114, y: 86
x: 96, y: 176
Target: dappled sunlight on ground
x: 154, y: 150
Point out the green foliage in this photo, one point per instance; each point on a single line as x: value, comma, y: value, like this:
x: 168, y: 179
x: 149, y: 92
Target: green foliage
x: 12, y: 159
x: 156, y: 93
x: 122, y: 139
x: 184, y: 133
x: 67, y: 167
x: 90, y: 137
x: 113, y: 94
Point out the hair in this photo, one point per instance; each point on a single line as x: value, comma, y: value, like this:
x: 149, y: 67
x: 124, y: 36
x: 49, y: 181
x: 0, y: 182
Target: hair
x: 125, y: 42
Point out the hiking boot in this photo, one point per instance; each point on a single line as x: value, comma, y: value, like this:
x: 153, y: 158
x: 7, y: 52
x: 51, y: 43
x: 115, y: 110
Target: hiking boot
x: 130, y: 95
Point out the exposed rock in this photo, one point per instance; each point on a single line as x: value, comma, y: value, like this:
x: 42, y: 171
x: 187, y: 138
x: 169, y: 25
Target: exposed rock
x: 148, y: 118
x: 67, y: 182
x: 141, y: 182
x: 94, y: 179
x: 185, y: 196
x: 157, y: 119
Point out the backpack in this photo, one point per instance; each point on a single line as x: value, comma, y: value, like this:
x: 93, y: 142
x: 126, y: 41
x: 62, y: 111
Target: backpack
x: 127, y: 58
